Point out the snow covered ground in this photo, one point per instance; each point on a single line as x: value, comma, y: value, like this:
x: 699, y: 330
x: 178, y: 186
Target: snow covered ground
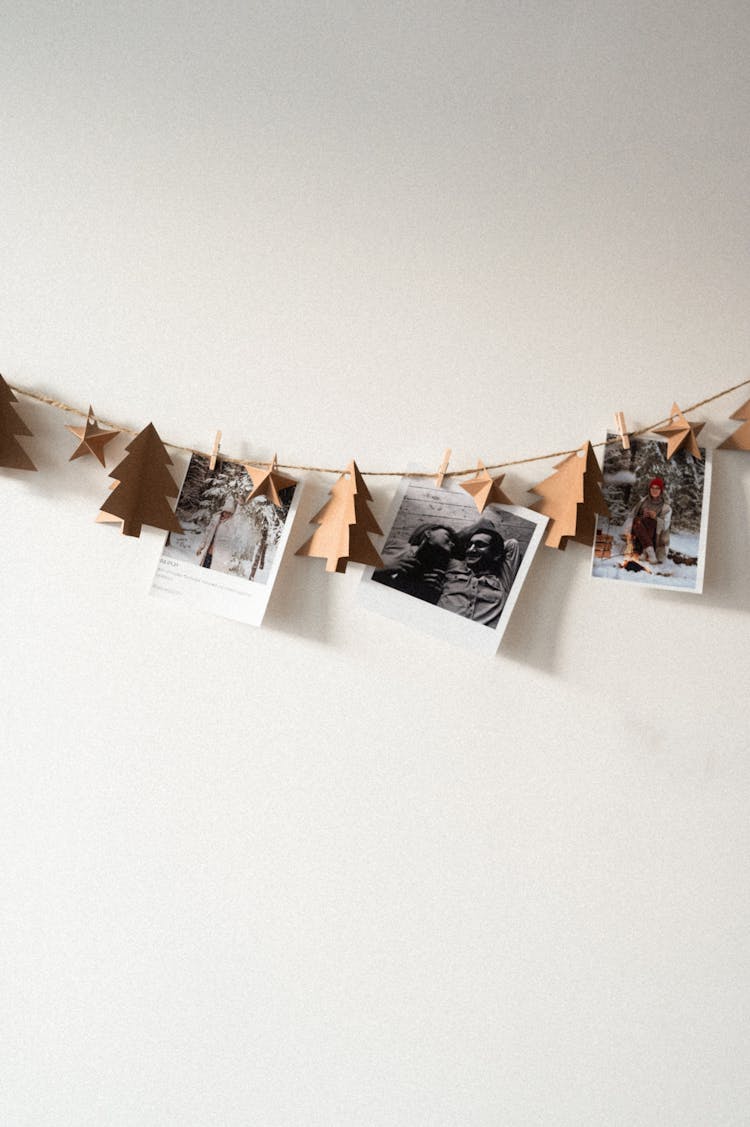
x: 239, y: 553
x: 669, y: 574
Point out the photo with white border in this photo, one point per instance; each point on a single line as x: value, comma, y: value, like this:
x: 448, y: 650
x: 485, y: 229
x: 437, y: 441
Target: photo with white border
x: 450, y: 571
x: 655, y: 534
x: 226, y: 558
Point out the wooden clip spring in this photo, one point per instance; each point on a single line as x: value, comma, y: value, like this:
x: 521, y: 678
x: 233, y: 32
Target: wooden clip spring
x: 622, y: 430
x: 215, y: 452
x: 443, y: 468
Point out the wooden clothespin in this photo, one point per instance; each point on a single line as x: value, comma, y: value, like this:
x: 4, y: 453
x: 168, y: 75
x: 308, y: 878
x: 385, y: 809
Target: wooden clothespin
x: 215, y: 452
x: 622, y: 431
x: 443, y: 468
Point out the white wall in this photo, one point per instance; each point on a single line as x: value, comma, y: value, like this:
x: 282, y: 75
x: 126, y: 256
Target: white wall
x: 332, y: 872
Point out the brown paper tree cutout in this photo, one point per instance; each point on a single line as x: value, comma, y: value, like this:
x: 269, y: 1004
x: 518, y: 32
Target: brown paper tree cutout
x: 681, y: 434
x: 740, y: 440
x: 91, y: 439
x: 571, y: 498
x: 485, y: 489
x: 268, y: 482
x: 12, y: 454
x: 345, y: 523
x: 107, y: 518
x: 142, y: 485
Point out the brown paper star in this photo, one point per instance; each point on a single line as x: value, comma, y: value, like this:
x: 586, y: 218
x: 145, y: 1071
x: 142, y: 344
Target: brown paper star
x: 485, y: 489
x: 91, y: 439
x: 681, y: 434
x: 268, y: 482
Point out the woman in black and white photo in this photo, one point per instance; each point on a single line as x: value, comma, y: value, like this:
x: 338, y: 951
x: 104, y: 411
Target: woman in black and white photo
x: 419, y: 569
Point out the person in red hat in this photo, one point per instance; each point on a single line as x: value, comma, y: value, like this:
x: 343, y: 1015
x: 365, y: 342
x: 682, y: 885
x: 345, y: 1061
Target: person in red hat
x: 650, y: 520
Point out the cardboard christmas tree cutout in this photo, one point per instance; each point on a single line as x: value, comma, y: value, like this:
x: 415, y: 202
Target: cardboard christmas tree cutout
x: 571, y: 498
x: 485, y: 489
x: 12, y: 454
x: 106, y: 518
x: 345, y: 523
x: 142, y: 485
x: 740, y: 440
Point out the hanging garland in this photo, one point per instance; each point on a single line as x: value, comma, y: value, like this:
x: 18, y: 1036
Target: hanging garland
x: 570, y: 498
x: 739, y: 441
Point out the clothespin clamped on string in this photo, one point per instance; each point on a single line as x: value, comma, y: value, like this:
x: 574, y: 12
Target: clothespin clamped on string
x: 443, y: 469
x: 622, y: 431
x: 215, y: 452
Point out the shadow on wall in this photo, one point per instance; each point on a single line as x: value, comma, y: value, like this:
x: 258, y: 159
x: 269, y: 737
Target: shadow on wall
x: 726, y: 585
x: 534, y: 634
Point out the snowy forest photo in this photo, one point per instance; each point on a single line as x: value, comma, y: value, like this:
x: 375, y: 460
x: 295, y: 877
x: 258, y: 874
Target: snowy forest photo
x: 627, y: 475
x: 221, y: 528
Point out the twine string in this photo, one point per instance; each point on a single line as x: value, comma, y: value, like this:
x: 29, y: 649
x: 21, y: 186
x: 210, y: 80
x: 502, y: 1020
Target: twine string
x: 39, y: 397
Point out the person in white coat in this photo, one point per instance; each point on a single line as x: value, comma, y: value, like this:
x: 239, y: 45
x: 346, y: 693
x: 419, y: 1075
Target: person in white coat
x: 215, y: 549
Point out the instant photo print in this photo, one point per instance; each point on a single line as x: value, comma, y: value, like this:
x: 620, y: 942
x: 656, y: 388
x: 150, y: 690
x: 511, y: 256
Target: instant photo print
x: 655, y: 535
x: 449, y: 570
x: 226, y: 557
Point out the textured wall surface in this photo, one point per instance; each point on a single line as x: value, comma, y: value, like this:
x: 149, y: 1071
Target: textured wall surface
x: 331, y: 871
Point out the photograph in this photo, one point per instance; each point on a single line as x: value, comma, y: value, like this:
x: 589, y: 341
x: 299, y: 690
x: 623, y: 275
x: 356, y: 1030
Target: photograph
x: 450, y: 570
x: 226, y: 557
x: 655, y: 534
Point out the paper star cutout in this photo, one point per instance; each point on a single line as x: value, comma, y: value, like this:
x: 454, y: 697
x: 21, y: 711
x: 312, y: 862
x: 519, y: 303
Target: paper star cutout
x: 92, y: 439
x: 681, y: 433
x: 485, y: 489
x: 268, y: 482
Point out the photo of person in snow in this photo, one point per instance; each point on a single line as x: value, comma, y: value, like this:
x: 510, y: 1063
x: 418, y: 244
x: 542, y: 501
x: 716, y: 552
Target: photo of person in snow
x: 222, y: 529
x: 655, y: 534
x: 218, y: 538
x: 650, y: 520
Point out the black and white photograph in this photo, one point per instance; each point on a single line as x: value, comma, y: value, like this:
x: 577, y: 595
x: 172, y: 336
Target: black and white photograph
x: 227, y: 555
x: 655, y: 535
x: 450, y: 570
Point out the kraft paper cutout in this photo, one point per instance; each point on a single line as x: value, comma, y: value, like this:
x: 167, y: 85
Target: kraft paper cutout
x: 105, y: 518
x: 345, y: 522
x: 268, y: 482
x: 740, y: 440
x: 12, y: 454
x: 572, y: 498
x: 142, y: 485
x: 681, y: 434
x: 485, y: 489
x: 91, y: 439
